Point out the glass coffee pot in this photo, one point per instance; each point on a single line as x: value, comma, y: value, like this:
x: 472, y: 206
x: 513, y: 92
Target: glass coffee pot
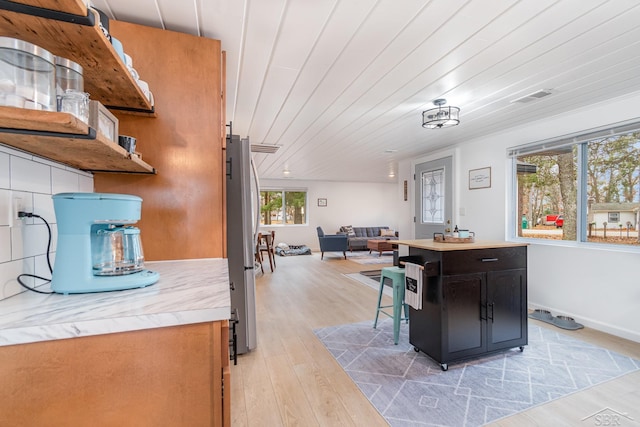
x: 117, y: 250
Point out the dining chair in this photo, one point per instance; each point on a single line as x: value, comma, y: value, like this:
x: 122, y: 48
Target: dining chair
x: 267, y: 245
x: 258, y: 253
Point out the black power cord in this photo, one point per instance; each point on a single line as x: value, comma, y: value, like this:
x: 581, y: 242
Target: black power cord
x: 19, y: 278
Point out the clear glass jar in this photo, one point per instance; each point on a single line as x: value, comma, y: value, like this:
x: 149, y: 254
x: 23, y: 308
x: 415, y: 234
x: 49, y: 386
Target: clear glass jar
x: 27, y: 75
x: 76, y: 103
x: 68, y: 76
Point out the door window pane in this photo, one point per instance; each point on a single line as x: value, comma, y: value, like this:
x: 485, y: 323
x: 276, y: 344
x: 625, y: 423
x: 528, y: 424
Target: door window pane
x: 433, y: 196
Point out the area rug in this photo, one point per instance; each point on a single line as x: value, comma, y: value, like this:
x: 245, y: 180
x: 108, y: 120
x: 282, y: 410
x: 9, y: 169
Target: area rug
x: 410, y: 389
x: 372, y: 274
x: 371, y: 283
x: 373, y: 258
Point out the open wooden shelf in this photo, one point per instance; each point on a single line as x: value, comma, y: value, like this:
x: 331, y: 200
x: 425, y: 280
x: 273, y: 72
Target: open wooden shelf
x: 74, y: 7
x: 63, y: 138
x: 106, y: 77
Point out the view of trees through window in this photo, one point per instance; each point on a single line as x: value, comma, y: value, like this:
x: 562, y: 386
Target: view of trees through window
x: 551, y: 204
x: 283, y: 207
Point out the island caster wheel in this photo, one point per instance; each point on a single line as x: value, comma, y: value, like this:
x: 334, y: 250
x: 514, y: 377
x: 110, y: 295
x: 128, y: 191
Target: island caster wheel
x: 416, y: 349
x: 444, y: 366
x: 521, y: 348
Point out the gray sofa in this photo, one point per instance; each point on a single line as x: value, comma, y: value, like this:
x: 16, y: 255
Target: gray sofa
x: 360, y: 235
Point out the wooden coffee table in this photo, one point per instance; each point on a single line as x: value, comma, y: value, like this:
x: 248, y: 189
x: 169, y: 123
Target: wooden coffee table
x: 380, y: 245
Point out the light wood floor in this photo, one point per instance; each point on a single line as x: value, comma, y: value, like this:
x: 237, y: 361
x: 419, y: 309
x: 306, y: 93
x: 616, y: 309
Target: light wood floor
x: 292, y: 380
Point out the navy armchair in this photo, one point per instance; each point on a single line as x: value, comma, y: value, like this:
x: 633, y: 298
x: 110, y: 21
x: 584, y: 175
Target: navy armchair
x: 332, y: 243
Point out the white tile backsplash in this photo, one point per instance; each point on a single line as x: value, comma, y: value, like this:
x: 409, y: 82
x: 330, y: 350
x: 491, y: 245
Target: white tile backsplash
x: 29, y: 241
x: 27, y: 175
x: 5, y: 244
x: 42, y: 270
x: 13, y: 152
x: 5, y: 207
x: 85, y: 183
x: 5, y: 181
x: 63, y: 181
x: 43, y: 206
x: 23, y: 247
x: 9, y: 271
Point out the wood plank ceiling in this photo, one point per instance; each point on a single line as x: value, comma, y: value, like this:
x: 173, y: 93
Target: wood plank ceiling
x: 340, y: 85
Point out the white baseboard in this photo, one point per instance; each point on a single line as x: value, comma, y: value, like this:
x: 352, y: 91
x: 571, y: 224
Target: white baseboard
x: 591, y: 323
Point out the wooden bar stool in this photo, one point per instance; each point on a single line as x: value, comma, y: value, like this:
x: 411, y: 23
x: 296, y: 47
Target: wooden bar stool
x: 396, y: 275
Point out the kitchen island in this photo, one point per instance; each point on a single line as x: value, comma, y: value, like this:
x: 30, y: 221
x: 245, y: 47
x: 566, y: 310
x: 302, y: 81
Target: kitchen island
x: 150, y: 356
x: 474, y: 298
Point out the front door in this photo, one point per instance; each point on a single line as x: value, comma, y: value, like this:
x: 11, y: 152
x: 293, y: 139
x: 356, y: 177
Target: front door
x: 434, y: 197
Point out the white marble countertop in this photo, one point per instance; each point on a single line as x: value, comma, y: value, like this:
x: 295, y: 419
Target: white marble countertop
x: 190, y: 291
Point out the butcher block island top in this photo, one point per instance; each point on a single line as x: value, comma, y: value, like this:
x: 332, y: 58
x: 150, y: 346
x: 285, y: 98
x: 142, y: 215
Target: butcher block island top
x: 188, y: 292
x: 430, y: 244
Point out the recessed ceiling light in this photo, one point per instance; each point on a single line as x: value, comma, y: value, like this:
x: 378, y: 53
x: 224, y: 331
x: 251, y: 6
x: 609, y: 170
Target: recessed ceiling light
x: 286, y: 171
x: 392, y: 175
x: 390, y: 151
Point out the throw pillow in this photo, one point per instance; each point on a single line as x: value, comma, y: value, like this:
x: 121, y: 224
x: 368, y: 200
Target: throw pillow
x: 387, y: 233
x: 349, y: 230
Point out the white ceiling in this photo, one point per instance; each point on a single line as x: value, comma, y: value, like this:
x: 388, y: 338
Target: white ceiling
x: 337, y: 83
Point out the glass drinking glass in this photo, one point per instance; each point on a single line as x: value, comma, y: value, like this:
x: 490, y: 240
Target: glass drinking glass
x: 76, y: 103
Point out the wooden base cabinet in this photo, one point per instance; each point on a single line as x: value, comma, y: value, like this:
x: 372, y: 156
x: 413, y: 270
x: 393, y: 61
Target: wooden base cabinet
x: 171, y: 376
x: 476, y: 305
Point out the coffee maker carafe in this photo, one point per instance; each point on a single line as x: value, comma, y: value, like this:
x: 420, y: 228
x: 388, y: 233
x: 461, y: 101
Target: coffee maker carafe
x: 98, y: 248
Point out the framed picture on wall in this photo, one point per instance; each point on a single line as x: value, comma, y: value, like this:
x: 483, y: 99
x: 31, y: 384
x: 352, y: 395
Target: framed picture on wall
x: 322, y: 202
x: 480, y: 178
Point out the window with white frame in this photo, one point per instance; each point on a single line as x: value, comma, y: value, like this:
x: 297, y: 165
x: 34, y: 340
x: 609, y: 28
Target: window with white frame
x: 283, y: 207
x: 584, y: 188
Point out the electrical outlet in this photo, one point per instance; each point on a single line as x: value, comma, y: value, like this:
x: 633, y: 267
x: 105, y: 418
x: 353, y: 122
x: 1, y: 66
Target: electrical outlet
x: 17, y: 205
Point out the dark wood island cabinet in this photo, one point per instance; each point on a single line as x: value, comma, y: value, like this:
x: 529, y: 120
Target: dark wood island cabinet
x: 474, y: 299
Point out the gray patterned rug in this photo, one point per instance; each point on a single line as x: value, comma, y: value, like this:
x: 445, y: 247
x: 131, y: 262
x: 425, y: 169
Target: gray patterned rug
x: 365, y: 257
x: 410, y: 389
x: 370, y: 282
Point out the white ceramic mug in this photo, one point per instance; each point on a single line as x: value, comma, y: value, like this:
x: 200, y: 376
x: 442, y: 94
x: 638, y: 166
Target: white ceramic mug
x: 144, y: 86
x: 134, y: 73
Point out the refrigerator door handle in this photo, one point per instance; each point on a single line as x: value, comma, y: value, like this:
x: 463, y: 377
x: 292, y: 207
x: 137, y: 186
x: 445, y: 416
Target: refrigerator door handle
x: 256, y: 181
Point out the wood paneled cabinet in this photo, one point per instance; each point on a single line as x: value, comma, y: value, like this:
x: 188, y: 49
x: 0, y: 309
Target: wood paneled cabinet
x: 172, y: 376
x: 183, y: 206
x: 476, y: 305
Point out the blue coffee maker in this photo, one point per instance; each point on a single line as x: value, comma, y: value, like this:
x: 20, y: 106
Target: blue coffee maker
x: 98, y: 249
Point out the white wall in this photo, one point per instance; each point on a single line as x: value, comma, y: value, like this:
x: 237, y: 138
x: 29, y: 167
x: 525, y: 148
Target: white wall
x: 23, y: 247
x: 348, y: 203
x: 600, y: 288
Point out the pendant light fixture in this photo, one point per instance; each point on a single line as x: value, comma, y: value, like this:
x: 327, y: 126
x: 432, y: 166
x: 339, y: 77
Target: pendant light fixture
x: 440, y: 117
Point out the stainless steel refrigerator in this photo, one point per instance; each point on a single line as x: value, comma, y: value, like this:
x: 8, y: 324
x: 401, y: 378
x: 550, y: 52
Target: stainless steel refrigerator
x: 241, y: 183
